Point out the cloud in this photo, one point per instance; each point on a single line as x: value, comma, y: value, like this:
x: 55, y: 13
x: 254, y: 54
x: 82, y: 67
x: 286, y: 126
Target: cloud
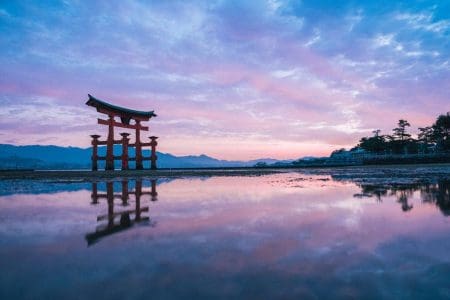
x: 227, y: 78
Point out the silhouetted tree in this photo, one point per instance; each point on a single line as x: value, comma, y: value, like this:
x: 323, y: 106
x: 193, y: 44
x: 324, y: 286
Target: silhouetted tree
x: 425, y: 138
x: 339, y: 151
x: 374, y: 144
x: 376, y: 132
x: 400, y: 131
x: 441, y: 129
x: 400, y: 138
x: 430, y: 138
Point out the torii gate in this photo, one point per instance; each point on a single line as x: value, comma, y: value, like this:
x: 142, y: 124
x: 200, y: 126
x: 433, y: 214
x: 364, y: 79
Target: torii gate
x: 125, y: 115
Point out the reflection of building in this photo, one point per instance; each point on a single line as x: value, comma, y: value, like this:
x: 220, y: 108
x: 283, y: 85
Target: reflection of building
x: 117, y: 221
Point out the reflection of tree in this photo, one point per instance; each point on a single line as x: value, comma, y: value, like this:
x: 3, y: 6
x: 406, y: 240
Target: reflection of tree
x: 403, y: 193
x: 402, y: 197
x: 373, y: 190
x: 438, y: 193
x: 125, y: 216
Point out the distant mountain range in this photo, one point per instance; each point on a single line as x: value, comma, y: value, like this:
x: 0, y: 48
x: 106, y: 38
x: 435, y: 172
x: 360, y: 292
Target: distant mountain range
x: 56, y: 157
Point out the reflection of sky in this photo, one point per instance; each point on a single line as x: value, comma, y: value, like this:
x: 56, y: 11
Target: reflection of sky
x: 232, y: 79
x: 285, y: 234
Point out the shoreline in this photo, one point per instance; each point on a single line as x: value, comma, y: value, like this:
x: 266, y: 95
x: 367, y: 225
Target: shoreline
x: 420, y: 170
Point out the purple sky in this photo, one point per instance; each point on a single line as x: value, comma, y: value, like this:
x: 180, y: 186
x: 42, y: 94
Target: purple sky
x: 231, y: 79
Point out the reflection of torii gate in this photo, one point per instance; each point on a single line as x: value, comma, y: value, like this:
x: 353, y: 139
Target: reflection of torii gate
x: 125, y: 220
x: 125, y: 115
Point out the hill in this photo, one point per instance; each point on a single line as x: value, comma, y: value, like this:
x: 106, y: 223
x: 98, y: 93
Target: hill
x: 63, y: 158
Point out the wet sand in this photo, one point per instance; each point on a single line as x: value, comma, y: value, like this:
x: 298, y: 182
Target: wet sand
x: 386, y: 174
x: 163, y: 173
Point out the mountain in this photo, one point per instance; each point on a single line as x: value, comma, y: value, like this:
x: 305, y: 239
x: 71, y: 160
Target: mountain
x: 56, y: 157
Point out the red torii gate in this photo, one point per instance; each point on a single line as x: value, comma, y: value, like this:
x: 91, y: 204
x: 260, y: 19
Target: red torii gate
x: 125, y: 115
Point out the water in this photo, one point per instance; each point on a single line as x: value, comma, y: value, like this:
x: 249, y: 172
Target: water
x: 286, y: 235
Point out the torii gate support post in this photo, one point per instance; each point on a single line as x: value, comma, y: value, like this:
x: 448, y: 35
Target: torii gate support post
x: 125, y: 141
x: 110, y: 145
x: 153, y: 157
x: 94, y: 157
x: 139, y: 165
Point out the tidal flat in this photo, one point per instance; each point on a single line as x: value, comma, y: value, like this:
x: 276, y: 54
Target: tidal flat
x: 337, y: 233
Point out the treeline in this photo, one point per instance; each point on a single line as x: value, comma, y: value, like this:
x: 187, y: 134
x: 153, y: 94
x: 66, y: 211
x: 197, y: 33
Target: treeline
x: 431, y: 139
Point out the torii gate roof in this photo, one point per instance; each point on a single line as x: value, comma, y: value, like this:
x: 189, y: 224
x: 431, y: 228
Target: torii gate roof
x: 104, y: 107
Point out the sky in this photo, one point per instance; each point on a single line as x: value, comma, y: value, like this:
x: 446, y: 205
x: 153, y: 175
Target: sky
x: 230, y: 79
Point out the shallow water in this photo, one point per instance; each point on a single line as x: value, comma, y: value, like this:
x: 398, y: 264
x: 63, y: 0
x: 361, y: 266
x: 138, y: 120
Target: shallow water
x: 286, y: 235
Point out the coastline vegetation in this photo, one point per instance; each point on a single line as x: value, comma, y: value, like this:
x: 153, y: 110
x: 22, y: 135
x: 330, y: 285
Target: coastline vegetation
x: 430, y: 139
x: 431, y: 144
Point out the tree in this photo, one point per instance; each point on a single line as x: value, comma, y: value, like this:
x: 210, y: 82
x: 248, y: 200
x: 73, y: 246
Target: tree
x: 425, y: 134
x: 374, y: 144
x: 338, y: 152
x: 400, y: 131
x: 425, y: 137
x: 400, y: 137
x: 441, y: 129
x: 376, y: 132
